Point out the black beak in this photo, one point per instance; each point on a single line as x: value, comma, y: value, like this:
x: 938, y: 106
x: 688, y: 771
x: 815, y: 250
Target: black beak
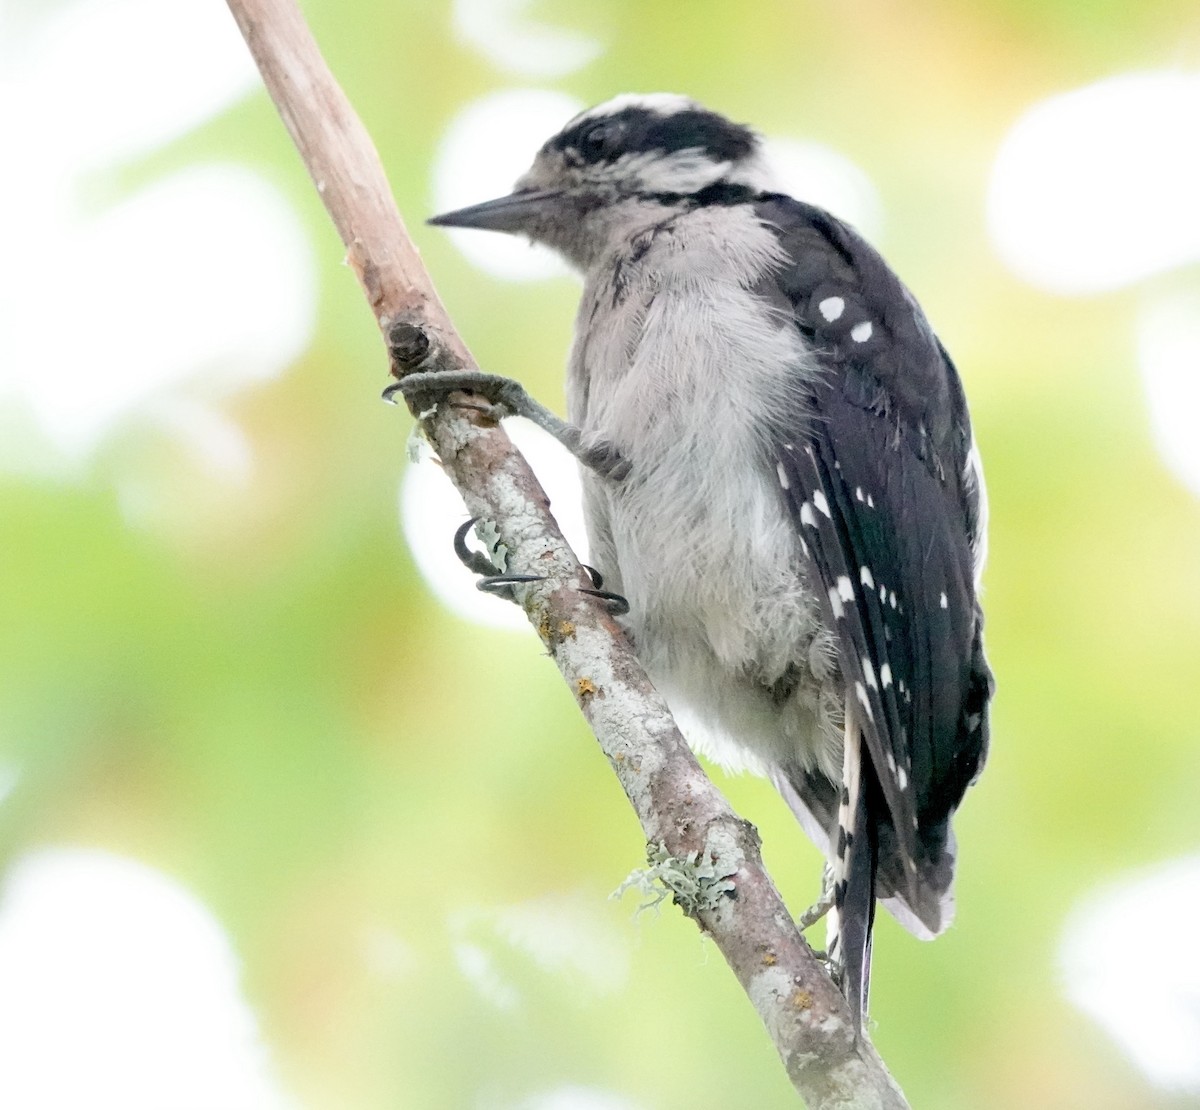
x: 512, y: 213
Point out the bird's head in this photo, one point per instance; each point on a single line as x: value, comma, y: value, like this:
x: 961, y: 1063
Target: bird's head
x: 617, y: 166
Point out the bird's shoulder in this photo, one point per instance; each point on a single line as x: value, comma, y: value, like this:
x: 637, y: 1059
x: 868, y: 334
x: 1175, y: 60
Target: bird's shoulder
x: 869, y: 331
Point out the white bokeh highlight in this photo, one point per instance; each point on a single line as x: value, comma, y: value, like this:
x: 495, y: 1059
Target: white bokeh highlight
x: 201, y: 282
x: 142, y: 309
x: 503, y: 32
x: 119, y: 989
x: 1096, y: 188
x: 559, y: 935
x: 820, y: 175
x: 102, y: 81
x: 1168, y: 355
x: 487, y: 146
x: 431, y: 509
x: 1147, y: 1001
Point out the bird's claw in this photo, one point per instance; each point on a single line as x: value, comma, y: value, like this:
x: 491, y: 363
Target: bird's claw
x: 503, y: 394
x: 617, y: 605
x: 499, y: 585
x: 475, y: 561
x: 502, y: 397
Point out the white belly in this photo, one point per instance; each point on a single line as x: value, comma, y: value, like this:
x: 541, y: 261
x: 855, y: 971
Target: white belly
x: 684, y: 378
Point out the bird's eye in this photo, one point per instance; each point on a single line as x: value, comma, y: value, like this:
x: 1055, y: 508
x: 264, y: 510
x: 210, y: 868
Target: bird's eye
x: 597, y: 141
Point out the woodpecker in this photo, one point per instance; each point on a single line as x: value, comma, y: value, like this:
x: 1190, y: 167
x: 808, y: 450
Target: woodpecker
x: 781, y: 481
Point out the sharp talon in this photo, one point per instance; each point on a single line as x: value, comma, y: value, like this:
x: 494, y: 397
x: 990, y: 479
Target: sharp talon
x: 389, y: 394
x: 474, y: 561
x: 498, y: 583
x: 465, y: 555
x: 596, y: 577
x: 617, y: 605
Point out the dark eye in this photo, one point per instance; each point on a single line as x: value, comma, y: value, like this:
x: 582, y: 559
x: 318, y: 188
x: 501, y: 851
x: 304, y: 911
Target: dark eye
x: 598, y: 141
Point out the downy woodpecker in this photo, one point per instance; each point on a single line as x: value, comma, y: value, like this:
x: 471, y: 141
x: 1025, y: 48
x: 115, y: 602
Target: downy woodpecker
x: 782, y: 481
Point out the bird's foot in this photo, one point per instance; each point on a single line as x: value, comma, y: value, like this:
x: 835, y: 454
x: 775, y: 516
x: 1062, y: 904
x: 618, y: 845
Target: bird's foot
x: 500, y: 397
x: 501, y: 585
x: 505, y: 396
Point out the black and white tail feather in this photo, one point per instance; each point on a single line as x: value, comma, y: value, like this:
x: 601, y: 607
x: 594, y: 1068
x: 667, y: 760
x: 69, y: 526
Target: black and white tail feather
x: 880, y: 477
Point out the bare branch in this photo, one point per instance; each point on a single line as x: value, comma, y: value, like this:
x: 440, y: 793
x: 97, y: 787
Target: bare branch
x: 713, y: 853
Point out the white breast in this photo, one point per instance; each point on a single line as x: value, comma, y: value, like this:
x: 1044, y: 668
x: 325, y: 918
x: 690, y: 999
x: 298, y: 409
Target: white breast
x: 685, y: 369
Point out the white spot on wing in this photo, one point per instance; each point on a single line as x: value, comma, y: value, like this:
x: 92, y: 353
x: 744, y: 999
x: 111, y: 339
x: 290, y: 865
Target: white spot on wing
x: 864, y: 574
x: 831, y: 308
x: 860, y: 333
x: 885, y: 675
x: 807, y: 516
x: 902, y: 778
x: 783, y: 478
x: 835, y: 603
x: 869, y: 673
x: 845, y: 588
x: 943, y: 601
x: 822, y: 504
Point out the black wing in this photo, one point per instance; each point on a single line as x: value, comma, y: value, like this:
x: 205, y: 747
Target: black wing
x: 874, y: 465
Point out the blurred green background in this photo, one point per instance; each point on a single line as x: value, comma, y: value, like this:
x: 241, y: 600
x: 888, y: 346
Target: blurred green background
x: 217, y: 656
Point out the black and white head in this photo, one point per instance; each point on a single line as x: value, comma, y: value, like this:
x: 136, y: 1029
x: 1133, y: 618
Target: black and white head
x: 617, y: 166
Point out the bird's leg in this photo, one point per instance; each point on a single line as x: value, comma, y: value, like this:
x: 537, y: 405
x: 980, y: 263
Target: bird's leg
x: 506, y: 397
x: 823, y: 905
